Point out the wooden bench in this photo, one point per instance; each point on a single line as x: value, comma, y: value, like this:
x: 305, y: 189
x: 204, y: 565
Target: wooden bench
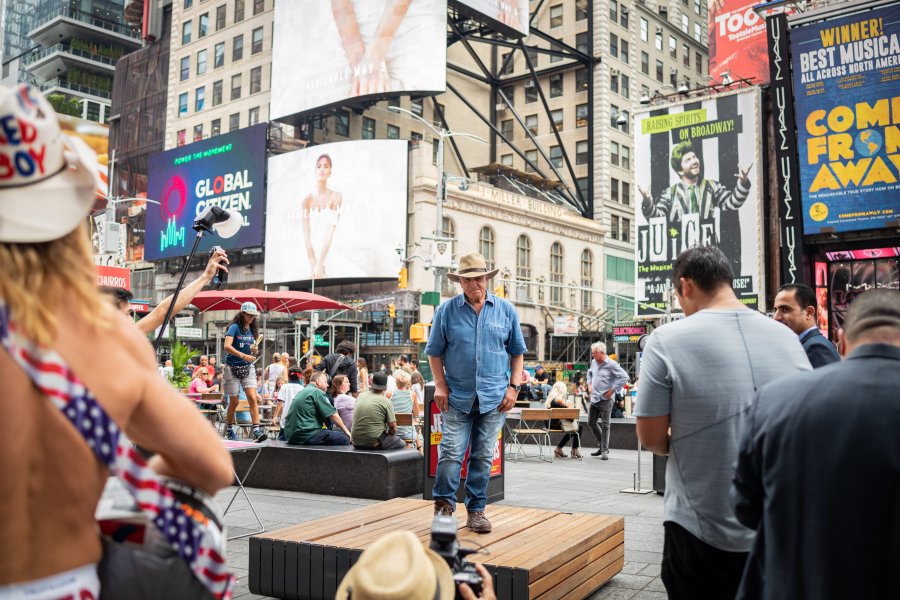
x: 533, y: 553
x: 335, y: 470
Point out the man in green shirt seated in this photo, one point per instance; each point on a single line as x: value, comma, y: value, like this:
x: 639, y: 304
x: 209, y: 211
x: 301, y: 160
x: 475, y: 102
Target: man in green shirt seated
x: 374, y: 423
x: 310, y: 409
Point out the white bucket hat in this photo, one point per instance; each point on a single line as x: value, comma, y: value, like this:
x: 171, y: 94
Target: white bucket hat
x: 46, y: 185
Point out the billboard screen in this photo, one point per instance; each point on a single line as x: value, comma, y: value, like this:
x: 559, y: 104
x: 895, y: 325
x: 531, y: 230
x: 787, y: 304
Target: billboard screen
x: 737, y: 41
x: 359, y: 49
x: 337, y: 211
x: 846, y: 103
x: 227, y: 170
x: 699, y: 186
x: 509, y: 17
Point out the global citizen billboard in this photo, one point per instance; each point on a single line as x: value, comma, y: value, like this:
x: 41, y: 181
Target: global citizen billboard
x: 337, y: 211
x: 847, y: 105
x: 700, y: 185
x: 324, y: 55
x: 737, y: 41
x: 227, y: 170
x: 509, y: 17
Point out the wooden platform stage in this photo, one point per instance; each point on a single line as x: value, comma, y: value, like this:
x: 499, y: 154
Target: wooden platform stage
x: 534, y: 553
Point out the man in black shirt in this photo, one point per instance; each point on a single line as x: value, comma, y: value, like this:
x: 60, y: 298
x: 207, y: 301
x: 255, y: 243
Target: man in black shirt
x: 342, y: 362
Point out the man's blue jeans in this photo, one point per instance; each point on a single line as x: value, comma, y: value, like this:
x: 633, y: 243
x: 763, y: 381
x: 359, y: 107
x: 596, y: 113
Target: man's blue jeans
x: 458, y: 429
x: 326, y: 437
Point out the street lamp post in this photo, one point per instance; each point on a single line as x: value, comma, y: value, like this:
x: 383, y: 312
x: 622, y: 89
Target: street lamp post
x: 440, y: 188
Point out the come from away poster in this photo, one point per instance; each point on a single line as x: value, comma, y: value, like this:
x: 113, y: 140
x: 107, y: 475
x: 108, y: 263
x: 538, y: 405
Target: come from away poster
x: 847, y: 102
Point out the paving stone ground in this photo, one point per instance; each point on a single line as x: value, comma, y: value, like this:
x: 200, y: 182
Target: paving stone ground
x: 590, y: 485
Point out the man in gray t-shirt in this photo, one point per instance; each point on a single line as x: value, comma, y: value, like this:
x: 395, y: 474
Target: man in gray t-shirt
x: 698, y: 377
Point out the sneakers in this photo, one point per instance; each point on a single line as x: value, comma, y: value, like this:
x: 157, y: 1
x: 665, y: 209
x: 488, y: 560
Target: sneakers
x: 231, y: 433
x: 605, y: 456
x: 597, y: 453
x: 442, y: 507
x: 558, y: 453
x: 259, y: 434
x: 478, y: 523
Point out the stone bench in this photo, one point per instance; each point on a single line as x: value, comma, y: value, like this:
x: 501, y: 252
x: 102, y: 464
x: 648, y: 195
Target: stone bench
x: 334, y: 470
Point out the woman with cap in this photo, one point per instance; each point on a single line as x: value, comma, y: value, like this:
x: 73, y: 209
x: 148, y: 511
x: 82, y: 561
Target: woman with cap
x: 68, y: 420
x: 240, y: 350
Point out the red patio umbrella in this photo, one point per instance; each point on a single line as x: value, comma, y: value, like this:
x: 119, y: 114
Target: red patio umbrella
x: 266, y: 302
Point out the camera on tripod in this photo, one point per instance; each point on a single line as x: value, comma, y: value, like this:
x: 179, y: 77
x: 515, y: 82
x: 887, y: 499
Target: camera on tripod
x: 445, y: 543
x: 221, y: 276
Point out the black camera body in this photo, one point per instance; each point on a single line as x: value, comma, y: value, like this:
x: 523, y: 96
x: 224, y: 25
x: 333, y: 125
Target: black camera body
x: 221, y: 277
x: 446, y: 544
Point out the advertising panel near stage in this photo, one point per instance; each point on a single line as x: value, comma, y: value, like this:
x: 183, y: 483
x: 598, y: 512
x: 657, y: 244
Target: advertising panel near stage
x: 337, y: 211
x: 355, y: 49
x: 437, y: 432
x: 509, y: 17
x: 847, y: 102
x: 227, y: 170
x: 700, y: 184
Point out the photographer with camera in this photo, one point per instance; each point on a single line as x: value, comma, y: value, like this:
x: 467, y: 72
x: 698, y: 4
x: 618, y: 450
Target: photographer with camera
x: 397, y: 566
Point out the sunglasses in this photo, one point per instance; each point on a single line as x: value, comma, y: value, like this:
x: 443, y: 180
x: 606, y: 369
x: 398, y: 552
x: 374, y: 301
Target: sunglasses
x: 203, y: 372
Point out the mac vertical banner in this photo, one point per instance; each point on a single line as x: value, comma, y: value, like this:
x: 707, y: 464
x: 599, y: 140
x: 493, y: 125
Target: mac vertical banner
x: 847, y: 101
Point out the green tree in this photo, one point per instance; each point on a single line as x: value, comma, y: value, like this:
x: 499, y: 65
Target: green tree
x: 65, y: 105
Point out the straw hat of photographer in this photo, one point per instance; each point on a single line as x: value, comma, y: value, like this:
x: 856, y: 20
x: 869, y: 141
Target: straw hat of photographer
x: 398, y: 567
x: 471, y: 265
x: 46, y: 179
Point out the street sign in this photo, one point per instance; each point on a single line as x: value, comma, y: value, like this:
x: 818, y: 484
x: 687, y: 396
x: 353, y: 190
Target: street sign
x: 192, y: 333
x: 318, y: 340
x: 184, y: 321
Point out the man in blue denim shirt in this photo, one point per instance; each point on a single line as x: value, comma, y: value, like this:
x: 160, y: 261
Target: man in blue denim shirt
x: 474, y: 345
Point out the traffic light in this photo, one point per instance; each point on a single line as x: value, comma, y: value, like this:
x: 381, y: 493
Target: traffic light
x: 403, y: 278
x: 500, y: 291
x: 392, y: 311
x: 305, y: 346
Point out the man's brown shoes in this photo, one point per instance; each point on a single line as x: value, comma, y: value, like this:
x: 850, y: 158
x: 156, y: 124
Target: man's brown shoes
x: 442, y: 507
x: 478, y: 523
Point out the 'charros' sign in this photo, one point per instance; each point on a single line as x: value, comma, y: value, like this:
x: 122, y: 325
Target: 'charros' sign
x: 225, y: 171
x: 116, y: 277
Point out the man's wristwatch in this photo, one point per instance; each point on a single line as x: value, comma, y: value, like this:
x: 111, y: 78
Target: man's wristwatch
x: 518, y: 388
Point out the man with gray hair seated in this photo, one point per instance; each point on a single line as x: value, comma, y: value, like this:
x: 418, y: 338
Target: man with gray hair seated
x: 605, y: 376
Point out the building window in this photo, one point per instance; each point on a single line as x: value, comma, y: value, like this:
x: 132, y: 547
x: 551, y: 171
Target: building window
x: 185, y: 67
x: 556, y: 16
x: 219, y: 55
x: 556, y: 85
x: 698, y: 63
x: 530, y: 159
x: 626, y: 157
x: 238, y: 11
x: 581, y: 80
x: 237, y: 48
x: 181, y: 137
x: 657, y: 40
x: 659, y: 71
x: 531, y: 94
x: 582, y: 154
x: 506, y: 160
x: 188, y: 4
x: 256, y: 45
x: 201, y: 62
x: 509, y: 92
x: 626, y: 87
x: 556, y: 274
x: 448, y: 228
x: 203, y: 28
x: 415, y: 106
x: 645, y: 30
x: 434, y: 151
x: 556, y: 158
x: 253, y: 116
x: 255, y: 80
x: 673, y: 47
x: 506, y: 128
x: 614, y: 83
x: 614, y: 45
x: 583, y: 185
x: 235, y: 86
x: 557, y: 117
x: 613, y: 114
x: 685, y: 24
x: 698, y: 32
x: 626, y: 229
x: 581, y: 115
x: 613, y: 11
x: 533, y: 56
x: 614, y: 227
x: 415, y: 137
x: 614, y: 189
x: 486, y: 246
x: 614, y: 153
x: 582, y: 44
x: 697, y: 8
x: 258, y: 6
x: 623, y: 51
x: 587, y: 280
x: 645, y: 63
x: 182, y: 104
x: 342, y: 123
x: 531, y: 123
x: 625, y: 120
x: 217, y: 93
x: 523, y: 265
x: 673, y: 77
x: 436, y: 119
x: 555, y: 58
x: 623, y: 18
x: 393, y: 132
x: 198, y: 132
x: 626, y: 193
x: 619, y: 269
x: 220, y: 17
x: 199, y: 98
x: 506, y: 64
x: 215, y: 127
x: 234, y: 122
x: 581, y: 10
x: 368, y: 128
x: 186, y: 33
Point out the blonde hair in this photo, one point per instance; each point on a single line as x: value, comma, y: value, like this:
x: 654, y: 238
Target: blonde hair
x: 559, y: 391
x: 36, y: 278
x: 402, y: 378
